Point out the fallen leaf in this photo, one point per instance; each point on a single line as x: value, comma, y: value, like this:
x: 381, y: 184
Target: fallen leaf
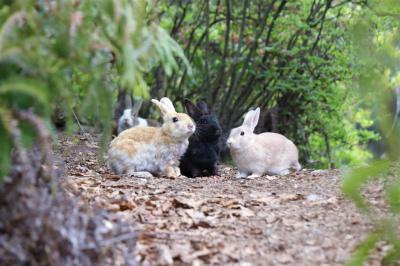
x: 313, y: 197
x: 291, y: 196
x: 246, y: 212
x: 125, y: 204
x: 113, y: 207
x: 284, y: 258
x: 270, y: 178
x: 165, y: 255
x: 185, y: 203
x: 203, y: 224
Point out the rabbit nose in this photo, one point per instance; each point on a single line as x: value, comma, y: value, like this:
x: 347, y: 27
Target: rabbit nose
x: 229, y: 142
x: 190, y: 126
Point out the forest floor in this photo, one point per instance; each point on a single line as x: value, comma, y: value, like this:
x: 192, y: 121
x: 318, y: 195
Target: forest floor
x: 298, y: 219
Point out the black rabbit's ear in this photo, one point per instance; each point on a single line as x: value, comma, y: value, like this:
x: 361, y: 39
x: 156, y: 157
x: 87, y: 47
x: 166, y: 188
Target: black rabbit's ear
x: 203, y: 107
x: 192, y: 109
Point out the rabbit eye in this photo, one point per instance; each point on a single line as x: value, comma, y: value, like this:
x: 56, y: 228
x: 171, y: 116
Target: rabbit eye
x: 175, y: 119
x: 241, y: 133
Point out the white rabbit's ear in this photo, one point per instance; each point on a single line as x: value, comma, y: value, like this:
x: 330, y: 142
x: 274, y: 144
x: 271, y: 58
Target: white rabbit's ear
x: 247, y: 118
x: 168, y: 104
x: 256, y: 117
x: 163, y: 109
x: 251, y: 119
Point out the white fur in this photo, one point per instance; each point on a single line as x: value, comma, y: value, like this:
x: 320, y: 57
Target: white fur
x: 266, y: 153
x: 153, y: 150
x: 153, y: 158
x: 128, y: 120
x: 142, y: 122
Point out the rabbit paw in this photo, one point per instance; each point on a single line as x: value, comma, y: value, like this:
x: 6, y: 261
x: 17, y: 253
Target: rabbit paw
x: 252, y: 176
x: 141, y: 174
x: 177, y: 171
x: 270, y: 177
x: 241, y: 175
x: 213, y: 171
x: 284, y: 172
x: 169, y: 171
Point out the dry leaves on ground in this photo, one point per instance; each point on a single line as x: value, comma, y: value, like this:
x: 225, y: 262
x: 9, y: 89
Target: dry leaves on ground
x: 299, y: 219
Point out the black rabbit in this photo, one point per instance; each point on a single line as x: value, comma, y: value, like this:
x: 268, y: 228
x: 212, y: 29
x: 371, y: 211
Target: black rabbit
x: 205, y: 144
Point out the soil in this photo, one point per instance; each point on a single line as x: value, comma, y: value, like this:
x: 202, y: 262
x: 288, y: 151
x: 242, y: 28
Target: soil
x: 298, y: 219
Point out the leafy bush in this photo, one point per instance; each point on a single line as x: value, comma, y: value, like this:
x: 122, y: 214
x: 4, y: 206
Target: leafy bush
x: 73, y: 56
x: 288, y: 57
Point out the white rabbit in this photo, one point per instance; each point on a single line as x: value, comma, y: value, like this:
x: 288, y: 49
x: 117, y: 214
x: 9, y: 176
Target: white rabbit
x: 130, y: 118
x: 143, y: 151
x: 259, y: 154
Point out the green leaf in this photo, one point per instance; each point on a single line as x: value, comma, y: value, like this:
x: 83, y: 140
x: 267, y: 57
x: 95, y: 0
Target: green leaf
x: 363, y: 250
x: 5, y: 143
x: 393, y: 195
x: 393, y: 256
x: 27, y: 87
x: 28, y: 133
x: 8, y: 27
x: 357, y: 177
x: 5, y: 153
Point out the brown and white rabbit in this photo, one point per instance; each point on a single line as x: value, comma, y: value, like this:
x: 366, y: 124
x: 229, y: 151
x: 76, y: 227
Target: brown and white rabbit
x: 259, y: 154
x: 130, y: 117
x: 143, y: 151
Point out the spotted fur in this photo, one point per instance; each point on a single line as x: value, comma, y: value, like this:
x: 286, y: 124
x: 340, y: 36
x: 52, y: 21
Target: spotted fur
x: 150, y: 149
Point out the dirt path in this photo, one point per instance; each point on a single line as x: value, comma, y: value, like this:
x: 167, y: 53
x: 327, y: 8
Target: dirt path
x: 300, y: 219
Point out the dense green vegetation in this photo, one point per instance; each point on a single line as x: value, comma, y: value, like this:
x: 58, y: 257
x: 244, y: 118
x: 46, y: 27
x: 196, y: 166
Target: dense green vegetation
x: 375, y: 39
x: 291, y: 58
x: 315, y: 67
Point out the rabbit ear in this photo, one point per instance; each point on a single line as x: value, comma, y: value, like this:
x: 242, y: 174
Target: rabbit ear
x: 247, y: 118
x: 128, y: 101
x: 203, y: 107
x: 251, y: 119
x: 192, y: 109
x: 256, y: 116
x: 136, y: 107
x: 168, y: 104
x: 164, y: 110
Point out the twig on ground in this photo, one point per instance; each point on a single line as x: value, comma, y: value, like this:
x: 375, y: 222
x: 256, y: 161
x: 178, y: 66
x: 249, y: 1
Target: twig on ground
x: 111, y: 241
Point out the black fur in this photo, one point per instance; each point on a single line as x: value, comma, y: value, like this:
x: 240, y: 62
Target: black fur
x: 205, y: 144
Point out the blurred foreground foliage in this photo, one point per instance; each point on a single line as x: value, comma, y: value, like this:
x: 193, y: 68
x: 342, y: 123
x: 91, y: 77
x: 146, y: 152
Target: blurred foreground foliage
x: 72, y: 57
x: 376, y: 42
